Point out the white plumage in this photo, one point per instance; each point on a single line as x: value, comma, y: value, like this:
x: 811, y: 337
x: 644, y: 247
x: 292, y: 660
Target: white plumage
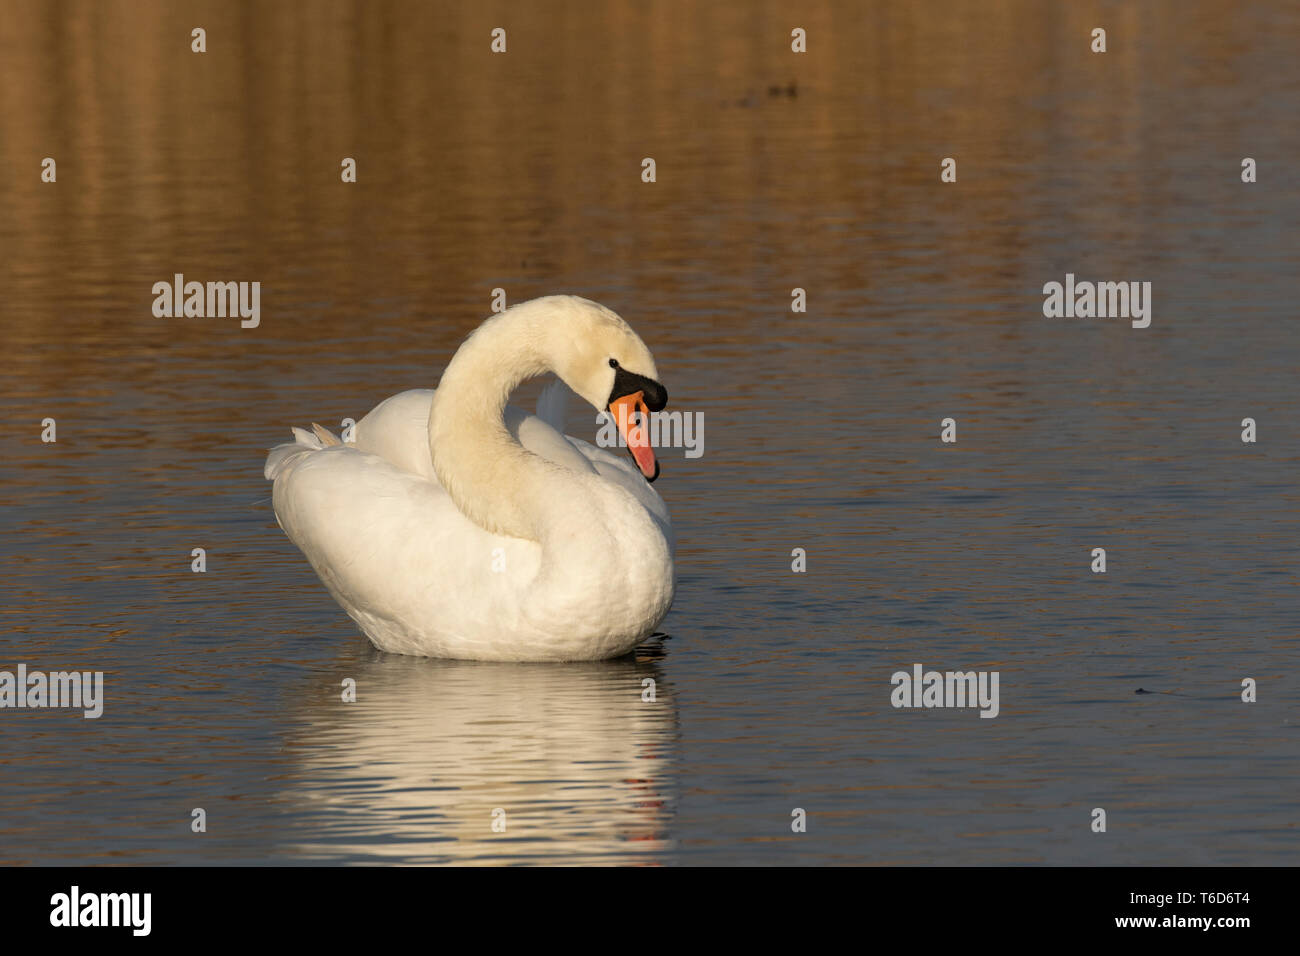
x: 455, y: 526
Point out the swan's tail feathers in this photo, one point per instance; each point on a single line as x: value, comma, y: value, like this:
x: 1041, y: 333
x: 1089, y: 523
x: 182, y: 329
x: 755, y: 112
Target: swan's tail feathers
x: 305, y: 439
x: 325, y: 435
x: 304, y: 442
x: 551, y: 404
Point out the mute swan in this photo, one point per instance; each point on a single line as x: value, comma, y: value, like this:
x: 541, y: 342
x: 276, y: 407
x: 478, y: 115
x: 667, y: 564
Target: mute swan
x: 455, y: 526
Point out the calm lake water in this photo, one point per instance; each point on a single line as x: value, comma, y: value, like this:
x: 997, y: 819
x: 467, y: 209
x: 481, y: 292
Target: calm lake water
x: 774, y: 171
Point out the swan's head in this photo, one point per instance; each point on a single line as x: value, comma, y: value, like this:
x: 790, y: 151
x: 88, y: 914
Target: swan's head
x: 598, y: 355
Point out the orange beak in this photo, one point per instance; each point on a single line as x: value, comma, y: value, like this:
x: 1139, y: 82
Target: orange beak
x: 635, y: 434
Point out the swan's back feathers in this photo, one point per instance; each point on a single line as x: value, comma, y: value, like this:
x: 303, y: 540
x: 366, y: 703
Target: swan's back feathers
x: 397, y: 430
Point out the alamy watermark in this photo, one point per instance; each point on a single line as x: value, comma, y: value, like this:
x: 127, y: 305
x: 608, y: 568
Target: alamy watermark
x: 675, y: 429
x: 1101, y: 300
x: 36, y: 689
x: 216, y: 300
x: 922, y: 688
x: 75, y: 908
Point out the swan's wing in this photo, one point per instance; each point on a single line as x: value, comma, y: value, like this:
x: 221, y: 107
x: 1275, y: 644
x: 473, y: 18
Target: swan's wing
x: 542, y: 439
x: 397, y: 430
x: 620, y: 470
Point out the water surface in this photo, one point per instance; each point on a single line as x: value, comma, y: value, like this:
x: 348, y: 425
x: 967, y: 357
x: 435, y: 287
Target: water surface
x: 775, y: 171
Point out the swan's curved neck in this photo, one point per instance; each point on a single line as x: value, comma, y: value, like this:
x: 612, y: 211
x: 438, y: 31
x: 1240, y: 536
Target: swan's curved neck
x: 494, y: 481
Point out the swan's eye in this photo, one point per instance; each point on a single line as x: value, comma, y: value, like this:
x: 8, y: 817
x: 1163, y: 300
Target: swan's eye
x: 613, y: 363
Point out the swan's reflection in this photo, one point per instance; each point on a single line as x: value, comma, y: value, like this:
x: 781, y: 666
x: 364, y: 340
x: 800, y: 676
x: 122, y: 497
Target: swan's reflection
x: 413, y: 771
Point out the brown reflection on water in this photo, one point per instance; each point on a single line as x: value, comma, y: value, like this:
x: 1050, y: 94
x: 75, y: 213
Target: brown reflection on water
x: 522, y: 169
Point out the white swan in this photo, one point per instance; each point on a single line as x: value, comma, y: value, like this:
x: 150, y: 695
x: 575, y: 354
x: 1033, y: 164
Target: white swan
x: 455, y: 526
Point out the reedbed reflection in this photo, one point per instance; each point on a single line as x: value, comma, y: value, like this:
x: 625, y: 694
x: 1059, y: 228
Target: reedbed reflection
x: 459, y: 761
